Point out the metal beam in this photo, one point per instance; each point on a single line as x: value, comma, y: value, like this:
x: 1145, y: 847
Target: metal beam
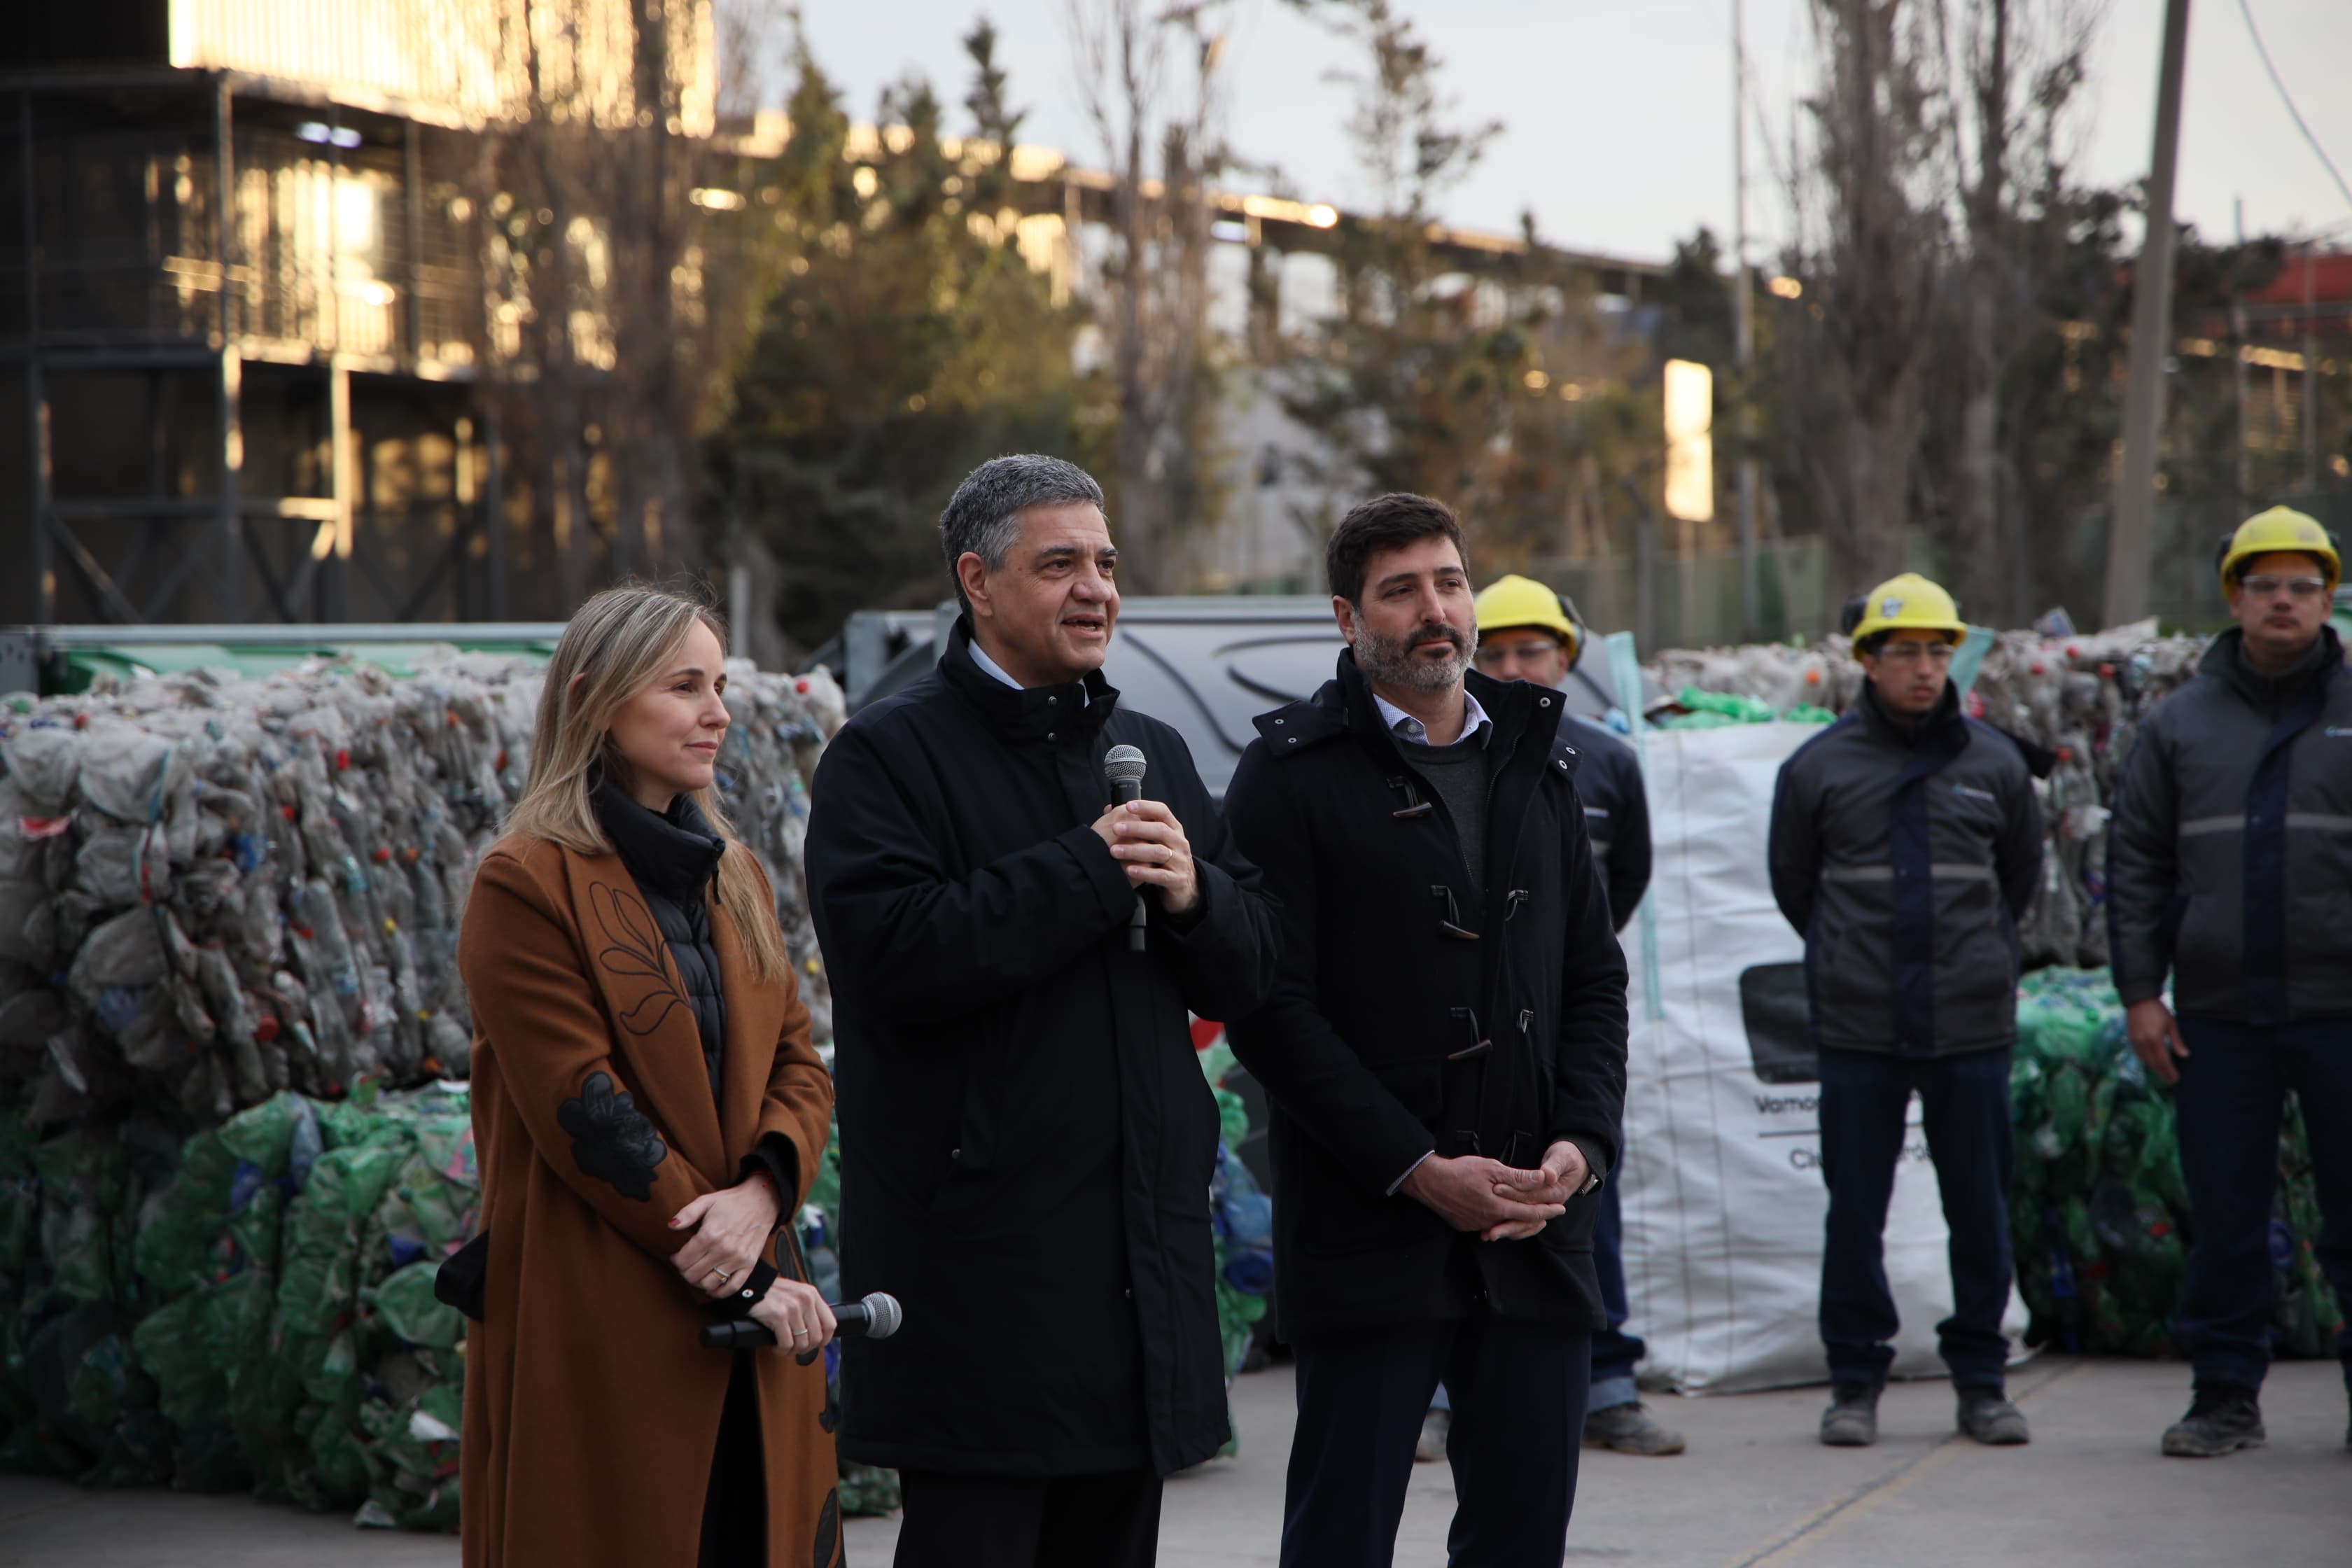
x: 231, y: 558
x: 338, y: 467
x: 36, y: 399
x: 412, y: 207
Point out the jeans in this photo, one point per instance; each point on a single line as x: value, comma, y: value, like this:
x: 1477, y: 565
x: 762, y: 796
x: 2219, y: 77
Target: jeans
x: 1615, y: 1351
x: 2233, y: 1085
x: 1864, y: 1099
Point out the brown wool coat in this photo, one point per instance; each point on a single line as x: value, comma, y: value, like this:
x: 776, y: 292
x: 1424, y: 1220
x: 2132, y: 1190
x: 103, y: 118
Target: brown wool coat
x: 592, y: 1410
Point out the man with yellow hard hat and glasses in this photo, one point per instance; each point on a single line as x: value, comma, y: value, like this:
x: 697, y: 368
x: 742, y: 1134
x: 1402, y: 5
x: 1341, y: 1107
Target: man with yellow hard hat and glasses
x: 1527, y: 632
x: 2230, y: 865
x: 1905, y: 844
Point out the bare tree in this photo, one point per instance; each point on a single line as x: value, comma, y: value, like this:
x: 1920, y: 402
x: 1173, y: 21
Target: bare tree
x: 1872, y: 242
x: 2022, y: 69
x: 1151, y: 84
x: 1934, y: 207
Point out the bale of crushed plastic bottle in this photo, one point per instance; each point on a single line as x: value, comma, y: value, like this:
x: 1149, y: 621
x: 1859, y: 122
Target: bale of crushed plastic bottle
x: 214, y: 889
x: 2078, y: 698
x: 2099, y: 1215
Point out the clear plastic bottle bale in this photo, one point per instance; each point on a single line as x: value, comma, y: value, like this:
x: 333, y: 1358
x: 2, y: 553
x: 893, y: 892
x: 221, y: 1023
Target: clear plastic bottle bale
x: 43, y: 755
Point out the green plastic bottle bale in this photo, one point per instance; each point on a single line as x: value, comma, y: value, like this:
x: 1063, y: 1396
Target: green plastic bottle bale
x: 404, y: 1303
x: 867, y: 1490
x: 1232, y: 1118
x: 410, y: 1451
x: 1735, y: 707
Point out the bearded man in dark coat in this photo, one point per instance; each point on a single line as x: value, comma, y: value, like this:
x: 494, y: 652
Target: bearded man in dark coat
x: 1026, y: 1136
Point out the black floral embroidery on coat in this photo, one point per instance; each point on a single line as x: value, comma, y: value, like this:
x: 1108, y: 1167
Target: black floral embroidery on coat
x: 635, y: 954
x: 828, y: 1530
x: 613, y: 1140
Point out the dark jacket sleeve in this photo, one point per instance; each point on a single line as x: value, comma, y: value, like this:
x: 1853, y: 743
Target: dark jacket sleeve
x: 1588, y: 1055
x: 1288, y: 1045
x: 1225, y: 953
x: 923, y: 945
x: 2142, y: 842
x: 2018, y: 857
x: 1793, y: 850
x: 1629, y: 845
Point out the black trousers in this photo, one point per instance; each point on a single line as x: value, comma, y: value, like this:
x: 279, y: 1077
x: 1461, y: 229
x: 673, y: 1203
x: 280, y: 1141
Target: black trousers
x: 1964, y: 1112
x: 2233, y: 1088
x: 1518, y: 1393
x: 735, y: 1503
x: 1029, y: 1521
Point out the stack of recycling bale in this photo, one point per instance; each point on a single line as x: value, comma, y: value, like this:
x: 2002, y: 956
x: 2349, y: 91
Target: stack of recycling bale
x: 864, y: 1489
x: 228, y: 913
x: 2079, y: 699
x: 213, y: 889
x: 2098, y: 1213
x: 266, y: 1321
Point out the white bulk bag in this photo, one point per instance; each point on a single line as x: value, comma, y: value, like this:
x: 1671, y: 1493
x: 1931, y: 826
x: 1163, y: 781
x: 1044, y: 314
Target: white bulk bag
x: 1721, y: 1186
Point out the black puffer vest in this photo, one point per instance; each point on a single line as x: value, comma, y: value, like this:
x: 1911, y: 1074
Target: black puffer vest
x: 674, y: 857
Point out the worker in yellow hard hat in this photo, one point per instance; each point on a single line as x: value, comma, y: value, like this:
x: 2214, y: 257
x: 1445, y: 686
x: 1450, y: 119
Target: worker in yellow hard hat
x: 2228, y: 856
x: 1529, y: 632
x: 1905, y: 844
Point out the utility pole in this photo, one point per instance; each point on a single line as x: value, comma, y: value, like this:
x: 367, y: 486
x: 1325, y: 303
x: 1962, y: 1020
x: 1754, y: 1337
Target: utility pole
x: 1743, y: 311
x: 2131, y: 512
x: 2310, y: 365
x: 2238, y: 358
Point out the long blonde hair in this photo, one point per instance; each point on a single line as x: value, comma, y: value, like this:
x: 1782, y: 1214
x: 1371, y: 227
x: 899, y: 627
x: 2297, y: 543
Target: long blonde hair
x: 623, y: 640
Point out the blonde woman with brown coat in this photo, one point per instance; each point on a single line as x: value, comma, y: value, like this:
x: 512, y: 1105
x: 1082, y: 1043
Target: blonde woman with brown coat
x: 648, y: 1112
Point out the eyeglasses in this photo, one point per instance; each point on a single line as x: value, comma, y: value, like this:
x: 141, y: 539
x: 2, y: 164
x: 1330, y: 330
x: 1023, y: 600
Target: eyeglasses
x: 2264, y: 585
x: 1912, y: 652
x: 1534, y: 648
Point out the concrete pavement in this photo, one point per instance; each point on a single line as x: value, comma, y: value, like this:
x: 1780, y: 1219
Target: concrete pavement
x: 1755, y: 1492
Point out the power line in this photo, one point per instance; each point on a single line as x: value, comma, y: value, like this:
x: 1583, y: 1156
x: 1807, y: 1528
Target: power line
x: 2246, y: 10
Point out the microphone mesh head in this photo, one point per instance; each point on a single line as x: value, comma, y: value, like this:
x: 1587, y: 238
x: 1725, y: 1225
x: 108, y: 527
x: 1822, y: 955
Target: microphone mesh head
x: 883, y: 1316
x: 1123, y: 763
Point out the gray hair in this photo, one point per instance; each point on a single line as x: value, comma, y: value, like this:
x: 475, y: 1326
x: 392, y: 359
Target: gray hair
x: 983, y: 517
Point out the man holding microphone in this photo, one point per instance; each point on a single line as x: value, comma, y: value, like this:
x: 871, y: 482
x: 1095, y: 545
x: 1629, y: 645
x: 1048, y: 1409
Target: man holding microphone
x: 1026, y: 1137
x: 1445, y: 1053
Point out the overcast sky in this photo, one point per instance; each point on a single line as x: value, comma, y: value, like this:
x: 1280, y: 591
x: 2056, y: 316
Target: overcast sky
x: 1617, y: 113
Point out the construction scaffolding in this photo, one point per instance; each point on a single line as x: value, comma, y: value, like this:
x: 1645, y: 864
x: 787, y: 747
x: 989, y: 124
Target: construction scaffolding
x: 245, y: 325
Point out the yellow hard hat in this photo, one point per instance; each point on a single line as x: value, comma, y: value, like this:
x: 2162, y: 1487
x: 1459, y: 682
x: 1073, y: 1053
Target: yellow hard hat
x: 1908, y: 604
x: 1516, y: 601
x: 2280, y: 527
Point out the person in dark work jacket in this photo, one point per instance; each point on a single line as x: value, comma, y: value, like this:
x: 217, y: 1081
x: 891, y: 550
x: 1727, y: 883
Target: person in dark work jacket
x: 1445, y: 1053
x: 1529, y: 632
x: 1905, y: 844
x: 1026, y: 1137
x: 2230, y: 864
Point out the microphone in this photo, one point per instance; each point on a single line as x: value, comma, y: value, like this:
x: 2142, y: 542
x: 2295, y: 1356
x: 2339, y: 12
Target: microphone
x: 875, y: 1318
x: 1123, y: 772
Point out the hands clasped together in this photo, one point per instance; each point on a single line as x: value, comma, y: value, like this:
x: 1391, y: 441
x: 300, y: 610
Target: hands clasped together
x: 731, y: 1230
x: 1501, y: 1202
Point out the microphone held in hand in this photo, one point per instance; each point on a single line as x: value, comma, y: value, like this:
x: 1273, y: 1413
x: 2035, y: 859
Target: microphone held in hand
x: 1123, y: 772
x: 877, y: 1317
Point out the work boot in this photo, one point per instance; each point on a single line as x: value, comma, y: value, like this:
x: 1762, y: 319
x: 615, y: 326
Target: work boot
x: 1433, y: 1428
x: 1987, y: 1415
x: 1630, y: 1429
x: 1851, y: 1419
x: 2224, y: 1418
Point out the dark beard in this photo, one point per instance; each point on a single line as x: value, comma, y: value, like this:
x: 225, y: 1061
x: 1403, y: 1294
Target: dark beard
x: 1392, y: 661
